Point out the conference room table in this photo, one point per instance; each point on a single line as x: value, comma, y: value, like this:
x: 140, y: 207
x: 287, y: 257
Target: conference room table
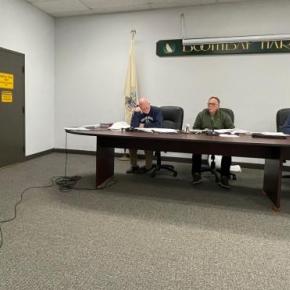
x: 274, y: 151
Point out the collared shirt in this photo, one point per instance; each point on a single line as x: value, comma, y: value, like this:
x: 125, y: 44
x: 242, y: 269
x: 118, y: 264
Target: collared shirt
x: 220, y: 120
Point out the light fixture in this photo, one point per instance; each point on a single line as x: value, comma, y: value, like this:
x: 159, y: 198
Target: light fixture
x: 235, y: 39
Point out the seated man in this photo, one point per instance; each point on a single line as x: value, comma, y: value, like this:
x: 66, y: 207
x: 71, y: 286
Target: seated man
x: 144, y: 116
x: 286, y: 126
x: 212, y: 118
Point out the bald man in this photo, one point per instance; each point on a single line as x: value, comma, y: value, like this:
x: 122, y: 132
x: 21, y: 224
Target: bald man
x: 144, y: 116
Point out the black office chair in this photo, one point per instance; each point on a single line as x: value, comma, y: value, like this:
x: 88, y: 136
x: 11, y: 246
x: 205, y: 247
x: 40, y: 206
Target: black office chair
x: 172, y: 119
x: 212, y: 167
x: 281, y: 117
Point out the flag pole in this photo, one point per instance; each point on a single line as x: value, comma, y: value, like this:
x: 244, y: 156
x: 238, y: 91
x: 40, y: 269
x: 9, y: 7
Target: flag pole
x: 130, y: 88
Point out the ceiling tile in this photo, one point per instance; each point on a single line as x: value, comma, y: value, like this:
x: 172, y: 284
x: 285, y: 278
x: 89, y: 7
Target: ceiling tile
x: 59, y: 8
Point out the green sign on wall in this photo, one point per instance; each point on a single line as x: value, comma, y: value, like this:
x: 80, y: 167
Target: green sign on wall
x: 174, y: 47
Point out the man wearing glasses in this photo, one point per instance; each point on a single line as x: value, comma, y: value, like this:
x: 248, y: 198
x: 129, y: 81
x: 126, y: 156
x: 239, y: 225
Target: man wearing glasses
x: 212, y: 118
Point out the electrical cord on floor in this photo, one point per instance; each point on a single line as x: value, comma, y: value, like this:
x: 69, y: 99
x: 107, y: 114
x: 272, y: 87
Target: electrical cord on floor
x: 1, y: 237
x: 67, y: 183
x: 64, y: 183
x: 15, y: 208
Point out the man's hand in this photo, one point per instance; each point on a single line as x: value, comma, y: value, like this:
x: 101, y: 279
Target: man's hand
x: 137, y: 109
x: 141, y: 125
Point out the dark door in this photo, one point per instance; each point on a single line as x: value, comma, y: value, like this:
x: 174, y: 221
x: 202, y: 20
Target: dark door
x: 12, y: 96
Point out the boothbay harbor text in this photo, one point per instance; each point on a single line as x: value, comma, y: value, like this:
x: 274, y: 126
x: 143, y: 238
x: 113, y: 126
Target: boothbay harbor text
x: 175, y: 47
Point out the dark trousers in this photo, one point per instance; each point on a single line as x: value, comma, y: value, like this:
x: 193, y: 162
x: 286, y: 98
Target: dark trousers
x: 225, y: 165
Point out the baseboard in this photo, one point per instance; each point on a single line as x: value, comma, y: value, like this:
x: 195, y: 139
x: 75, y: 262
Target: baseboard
x: 141, y: 156
x: 74, y: 151
x: 42, y: 153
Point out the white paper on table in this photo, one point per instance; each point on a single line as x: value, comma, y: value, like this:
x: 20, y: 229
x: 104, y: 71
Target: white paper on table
x: 157, y: 130
x: 232, y: 131
x: 240, y: 131
x: 91, y: 126
x: 164, y: 130
x: 77, y: 128
x: 223, y: 131
x: 229, y: 135
x: 119, y: 126
x: 147, y: 130
x: 273, y: 134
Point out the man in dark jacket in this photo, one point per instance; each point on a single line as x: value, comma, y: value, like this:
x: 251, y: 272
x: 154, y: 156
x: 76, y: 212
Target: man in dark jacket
x: 144, y: 116
x: 212, y: 118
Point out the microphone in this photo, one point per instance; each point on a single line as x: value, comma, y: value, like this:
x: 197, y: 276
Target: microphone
x: 212, y: 131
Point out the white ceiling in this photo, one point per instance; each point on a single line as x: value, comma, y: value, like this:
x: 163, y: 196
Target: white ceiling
x: 61, y: 8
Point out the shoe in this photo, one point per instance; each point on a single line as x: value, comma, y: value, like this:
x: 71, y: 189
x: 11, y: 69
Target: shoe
x: 196, y: 178
x: 224, y: 182
x: 133, y: 169
x: 143, y: 169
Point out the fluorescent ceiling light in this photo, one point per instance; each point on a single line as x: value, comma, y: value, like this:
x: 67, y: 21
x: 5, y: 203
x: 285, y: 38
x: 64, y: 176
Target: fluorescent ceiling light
x: 235, y: 39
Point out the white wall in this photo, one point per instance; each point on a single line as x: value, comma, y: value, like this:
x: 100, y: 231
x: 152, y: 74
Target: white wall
x: 27, y: 30
x: 92, y: 55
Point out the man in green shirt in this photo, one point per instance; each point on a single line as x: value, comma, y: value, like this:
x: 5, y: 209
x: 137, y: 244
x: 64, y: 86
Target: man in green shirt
x: 212, y: 118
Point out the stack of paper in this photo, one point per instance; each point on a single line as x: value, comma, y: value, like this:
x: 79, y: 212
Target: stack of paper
x: 224, y: 131
x: 147, y: 130
x: 157, y: 130
x: 273, y: 134
x: 164, y: 130
x: 90, y: 127
x: 119, y: 126
x: 77, y: 128
x: 228, y: 135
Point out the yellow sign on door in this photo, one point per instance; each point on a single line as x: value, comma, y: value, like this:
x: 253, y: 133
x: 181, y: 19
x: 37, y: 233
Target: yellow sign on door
x: 6, y: 97
x: 6, y: 81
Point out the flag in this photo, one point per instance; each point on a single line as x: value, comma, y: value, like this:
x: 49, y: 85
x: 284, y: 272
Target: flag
x: 130, y: 91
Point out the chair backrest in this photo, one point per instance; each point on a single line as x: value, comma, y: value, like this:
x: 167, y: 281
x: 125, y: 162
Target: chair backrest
x: 230, y: 113
x: 172, y: 117
x: 281, y: 117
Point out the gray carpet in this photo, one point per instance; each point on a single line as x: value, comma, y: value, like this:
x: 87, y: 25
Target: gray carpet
x: 142, y: 232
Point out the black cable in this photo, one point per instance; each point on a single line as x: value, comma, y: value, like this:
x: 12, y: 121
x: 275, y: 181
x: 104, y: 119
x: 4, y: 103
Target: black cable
x: 15, y: 208
x: 65, y: 183
x: 66, y: 155
x: 110, y: 183
x: 1, y: 237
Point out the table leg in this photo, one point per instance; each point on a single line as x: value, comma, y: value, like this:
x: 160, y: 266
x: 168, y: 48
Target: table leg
x: 104, y: 164
x: 272, y: 180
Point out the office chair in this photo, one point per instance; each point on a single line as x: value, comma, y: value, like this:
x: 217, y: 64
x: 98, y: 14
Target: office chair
x: 172, y: 119
x: 281, y: 117
x: 212, y: 167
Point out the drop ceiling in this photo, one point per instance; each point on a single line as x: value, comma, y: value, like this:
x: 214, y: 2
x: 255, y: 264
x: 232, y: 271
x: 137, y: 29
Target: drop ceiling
x: 62, y: 8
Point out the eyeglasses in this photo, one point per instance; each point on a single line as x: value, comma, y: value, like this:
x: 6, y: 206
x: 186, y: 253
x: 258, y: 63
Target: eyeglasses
x: 212, y: 104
